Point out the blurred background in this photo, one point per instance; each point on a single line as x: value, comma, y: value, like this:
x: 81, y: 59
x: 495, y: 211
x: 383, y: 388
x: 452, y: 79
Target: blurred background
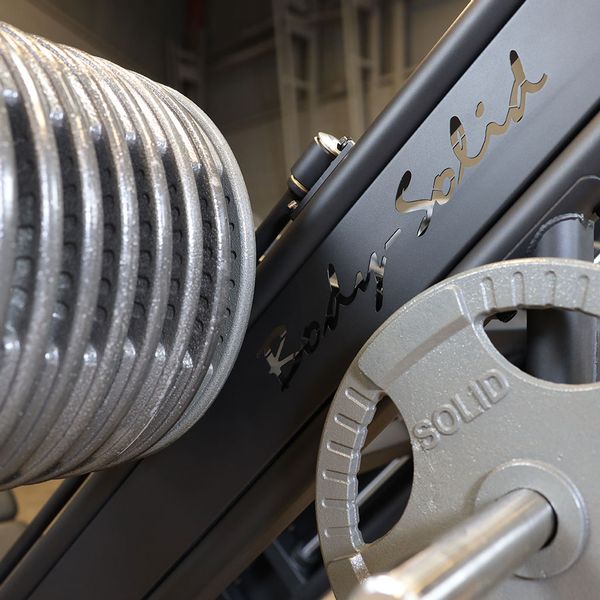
x: 270, y: 73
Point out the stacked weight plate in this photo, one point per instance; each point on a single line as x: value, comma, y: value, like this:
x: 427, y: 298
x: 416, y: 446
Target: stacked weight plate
x: 126, y: 262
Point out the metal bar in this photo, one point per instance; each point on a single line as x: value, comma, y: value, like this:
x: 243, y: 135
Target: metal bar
x: 561, y: 346
x: 399, y: 43
x: 474, y: 556
x: 352, y: 60
x: 442, y: 68
x: 86, y: 504
x: 223, y: 558
x: 288, y: 97
x: 40, y: 523
x: 371, y: 488
x: 552, y: 194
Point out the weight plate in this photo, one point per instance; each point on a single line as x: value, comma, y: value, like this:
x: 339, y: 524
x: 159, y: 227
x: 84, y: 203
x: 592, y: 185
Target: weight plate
x: 468, y: 411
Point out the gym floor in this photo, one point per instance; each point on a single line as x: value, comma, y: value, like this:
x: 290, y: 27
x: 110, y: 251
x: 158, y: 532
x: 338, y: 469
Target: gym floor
x: 30, y: 498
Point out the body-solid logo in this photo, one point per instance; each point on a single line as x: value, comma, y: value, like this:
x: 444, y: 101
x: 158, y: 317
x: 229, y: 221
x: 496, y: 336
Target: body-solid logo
x: 446, y: 182
x: 284, y: 364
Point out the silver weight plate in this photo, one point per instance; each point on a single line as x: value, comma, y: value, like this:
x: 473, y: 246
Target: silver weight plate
x: 471, y: 416
x: 128, y: 260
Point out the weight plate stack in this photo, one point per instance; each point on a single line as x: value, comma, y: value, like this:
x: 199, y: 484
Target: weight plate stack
x: 126, y: 262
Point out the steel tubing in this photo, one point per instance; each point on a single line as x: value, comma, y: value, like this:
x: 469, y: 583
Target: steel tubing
x: 472, y: 557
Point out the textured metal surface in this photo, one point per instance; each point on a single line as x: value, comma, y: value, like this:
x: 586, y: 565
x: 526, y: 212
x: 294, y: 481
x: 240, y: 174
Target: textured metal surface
x: 127, y: 262
x: 469, y: 413
x: 238, y: 503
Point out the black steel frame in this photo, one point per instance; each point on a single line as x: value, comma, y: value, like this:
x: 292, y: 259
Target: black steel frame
x: 185, y: 522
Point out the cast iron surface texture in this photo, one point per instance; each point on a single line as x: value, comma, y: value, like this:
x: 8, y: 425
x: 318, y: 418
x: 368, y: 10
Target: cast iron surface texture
x: 254, y: 419
x: 129, y: 262
x: 469, y: 411
x: 570, y: 183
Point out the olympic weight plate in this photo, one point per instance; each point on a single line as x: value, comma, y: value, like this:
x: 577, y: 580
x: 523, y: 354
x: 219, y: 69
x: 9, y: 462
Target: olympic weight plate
x: 476, y: 423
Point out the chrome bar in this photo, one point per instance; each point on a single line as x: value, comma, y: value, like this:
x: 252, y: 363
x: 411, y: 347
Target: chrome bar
x: 473, y: 557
